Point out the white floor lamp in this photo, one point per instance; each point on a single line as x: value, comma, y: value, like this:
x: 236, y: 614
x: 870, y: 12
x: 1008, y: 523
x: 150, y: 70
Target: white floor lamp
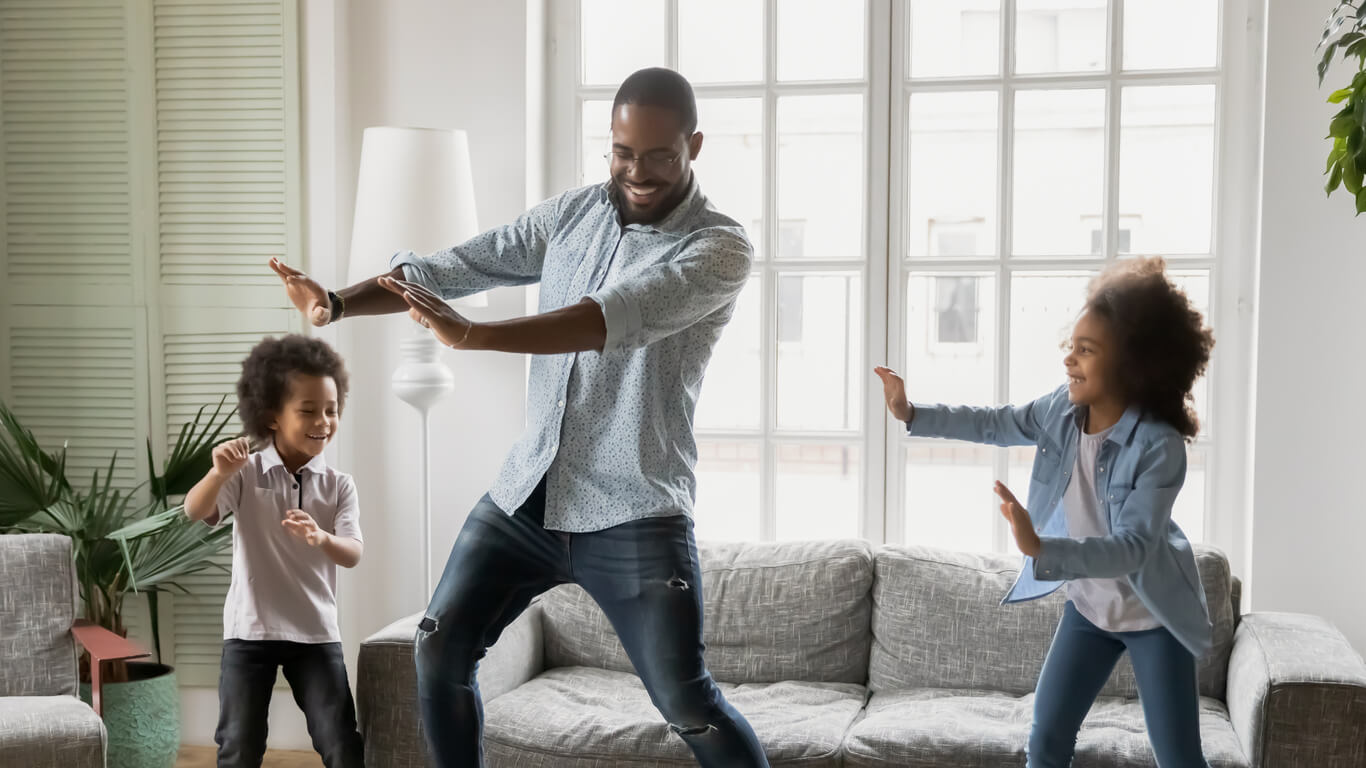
x: 415, y: 192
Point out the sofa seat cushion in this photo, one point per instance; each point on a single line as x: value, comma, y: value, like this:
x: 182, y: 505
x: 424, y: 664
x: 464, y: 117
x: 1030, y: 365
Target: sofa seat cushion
x: 946, y: 728
x: 571, y: 717
x: 50, y: 732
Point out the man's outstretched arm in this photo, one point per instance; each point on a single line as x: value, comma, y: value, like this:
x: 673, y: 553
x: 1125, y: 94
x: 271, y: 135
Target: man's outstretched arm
x: 578, y: 327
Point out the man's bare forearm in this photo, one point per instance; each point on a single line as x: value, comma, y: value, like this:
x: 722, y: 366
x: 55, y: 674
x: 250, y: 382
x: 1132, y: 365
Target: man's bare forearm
x: 368, y: 298
x: 576, y: 328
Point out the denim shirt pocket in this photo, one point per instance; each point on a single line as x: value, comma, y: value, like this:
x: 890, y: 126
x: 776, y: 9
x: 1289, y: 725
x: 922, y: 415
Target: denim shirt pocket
x: 1047, y: 463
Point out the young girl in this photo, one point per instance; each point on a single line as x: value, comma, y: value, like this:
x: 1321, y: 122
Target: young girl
x: 295, y: 520
x: 1111, y: 458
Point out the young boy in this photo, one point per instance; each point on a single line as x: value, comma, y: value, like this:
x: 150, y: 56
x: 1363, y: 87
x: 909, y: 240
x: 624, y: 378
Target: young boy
x: 295, y: 520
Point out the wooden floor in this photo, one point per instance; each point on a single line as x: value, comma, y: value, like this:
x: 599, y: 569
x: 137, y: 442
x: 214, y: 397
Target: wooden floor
x: 205, y: 757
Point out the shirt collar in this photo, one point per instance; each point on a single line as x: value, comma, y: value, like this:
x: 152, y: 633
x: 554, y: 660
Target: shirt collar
x: 672, y: 222
x: 1121, y: 431
x: 270, y: 458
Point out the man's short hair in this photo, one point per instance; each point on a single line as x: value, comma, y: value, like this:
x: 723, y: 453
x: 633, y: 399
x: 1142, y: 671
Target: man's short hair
x: 660, y: 87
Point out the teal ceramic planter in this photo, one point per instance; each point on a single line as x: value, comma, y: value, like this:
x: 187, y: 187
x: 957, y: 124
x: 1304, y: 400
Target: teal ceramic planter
x: 142, y: 717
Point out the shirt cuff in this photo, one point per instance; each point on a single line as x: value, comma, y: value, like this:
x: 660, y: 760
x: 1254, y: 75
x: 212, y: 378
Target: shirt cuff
x: 621, y: 316
x: 414, y: 270
x: 925, y: 420
x: 1047, y: 566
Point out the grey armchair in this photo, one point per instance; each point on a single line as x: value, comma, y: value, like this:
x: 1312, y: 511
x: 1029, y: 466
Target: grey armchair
x: 42, y: 722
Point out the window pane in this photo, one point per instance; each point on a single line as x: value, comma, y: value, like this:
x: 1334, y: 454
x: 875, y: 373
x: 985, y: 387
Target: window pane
x: 730, y: 396
x: 727, y: 506
x: 954, y: 37
x: 730, y: 167
x: 609, y: 52
x: 1189, y: 509
x: 1043, y: 309
x: 952, y: 176
x: 597, y: 140
x: 1163, y: 34
x: 820, y: 349
x: 706, y: 27
x: 951, y: 338
x: 818, y: 491
x: 820, y: 177
x: 1059, y: 171
x: 948, y: 495
x: 820, y: 40
x: 1060, y: 36
x: 1166, y: 133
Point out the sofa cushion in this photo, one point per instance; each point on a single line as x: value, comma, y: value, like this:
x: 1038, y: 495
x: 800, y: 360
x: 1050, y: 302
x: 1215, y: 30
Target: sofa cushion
x: 938, y: 623
x: 584, y: 716
x: 940, y: 728
x: 792, y: 611
x: 50, y: 732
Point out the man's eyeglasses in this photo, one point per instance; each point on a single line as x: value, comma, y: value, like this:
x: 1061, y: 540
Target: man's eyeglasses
x: 652, y: 162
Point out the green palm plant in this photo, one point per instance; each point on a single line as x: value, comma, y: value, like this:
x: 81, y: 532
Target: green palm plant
x: 126, y: 540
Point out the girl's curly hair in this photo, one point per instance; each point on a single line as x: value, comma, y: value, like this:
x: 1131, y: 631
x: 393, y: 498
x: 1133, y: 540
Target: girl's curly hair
x: 1161, y: 341
x: 264, y: 384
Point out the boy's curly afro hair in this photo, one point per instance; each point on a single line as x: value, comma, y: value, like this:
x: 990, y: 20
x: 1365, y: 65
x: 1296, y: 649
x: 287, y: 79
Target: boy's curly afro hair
x: 264, y: 384
x: 1161, y: 341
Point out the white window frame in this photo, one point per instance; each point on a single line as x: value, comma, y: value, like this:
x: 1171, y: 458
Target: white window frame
x: 1231, y: 261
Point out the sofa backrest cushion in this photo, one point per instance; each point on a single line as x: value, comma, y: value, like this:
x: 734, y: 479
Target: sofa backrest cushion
x: 773, y: 611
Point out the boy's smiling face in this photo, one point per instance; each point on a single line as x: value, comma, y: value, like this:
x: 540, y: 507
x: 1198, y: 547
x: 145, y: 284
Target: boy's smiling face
x: 308, y: 419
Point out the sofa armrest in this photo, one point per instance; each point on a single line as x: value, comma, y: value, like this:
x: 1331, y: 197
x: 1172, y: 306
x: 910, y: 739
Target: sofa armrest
x: 386, y: 684
x: 102, y: 645
x: 1296, y: 693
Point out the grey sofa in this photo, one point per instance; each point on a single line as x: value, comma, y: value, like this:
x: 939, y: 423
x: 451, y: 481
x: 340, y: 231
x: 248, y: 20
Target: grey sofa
x: 42, y: 723
x: 840, y: 654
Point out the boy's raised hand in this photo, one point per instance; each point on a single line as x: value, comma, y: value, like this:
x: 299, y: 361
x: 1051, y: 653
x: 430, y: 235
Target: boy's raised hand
x: 301, y: 524
x: 894, y: 391
x: 1020, y: 524
x: 308, y: 295
x: 230, y: 456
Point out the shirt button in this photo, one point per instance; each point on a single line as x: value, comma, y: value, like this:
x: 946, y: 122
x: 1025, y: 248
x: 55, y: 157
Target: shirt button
x: 561, y: 403
x: 1102, y: 469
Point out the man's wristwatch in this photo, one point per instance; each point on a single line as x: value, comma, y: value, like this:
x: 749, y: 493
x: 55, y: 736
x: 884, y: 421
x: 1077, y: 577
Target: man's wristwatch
x: 338, y: 306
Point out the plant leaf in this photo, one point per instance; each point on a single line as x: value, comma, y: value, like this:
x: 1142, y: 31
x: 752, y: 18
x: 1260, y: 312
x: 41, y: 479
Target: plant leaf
x: 1341, y: 126
x: 1361, y: 202
x: 1326, y: 60
x: 1351, y: 176
x: 1334, y: 179
x: 1337, y: 96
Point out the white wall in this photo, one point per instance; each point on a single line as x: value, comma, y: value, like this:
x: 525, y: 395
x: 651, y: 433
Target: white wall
x: 432, y: 63
x: 1308, y: 531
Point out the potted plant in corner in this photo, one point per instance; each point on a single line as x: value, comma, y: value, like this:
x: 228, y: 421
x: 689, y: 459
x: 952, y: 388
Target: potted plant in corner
x: 126, y: 540
x: 1345, y: 33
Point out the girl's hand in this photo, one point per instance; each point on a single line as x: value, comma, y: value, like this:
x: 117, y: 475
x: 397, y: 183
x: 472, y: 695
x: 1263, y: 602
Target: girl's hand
x: 431, y: 311
x: 229, y: 457
x: 308, y: 295
x: 894, y: 391
x: 301, y: 524
x: 1020, y: 524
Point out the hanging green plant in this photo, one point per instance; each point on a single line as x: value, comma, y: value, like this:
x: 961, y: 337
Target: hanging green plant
x: 1345, y: 34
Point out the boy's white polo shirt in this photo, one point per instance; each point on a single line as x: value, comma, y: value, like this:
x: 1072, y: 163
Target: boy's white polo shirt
x: 283, y: 589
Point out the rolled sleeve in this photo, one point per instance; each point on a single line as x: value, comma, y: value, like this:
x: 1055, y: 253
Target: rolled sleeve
x: 509, y: 255
x: 662, y: 300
